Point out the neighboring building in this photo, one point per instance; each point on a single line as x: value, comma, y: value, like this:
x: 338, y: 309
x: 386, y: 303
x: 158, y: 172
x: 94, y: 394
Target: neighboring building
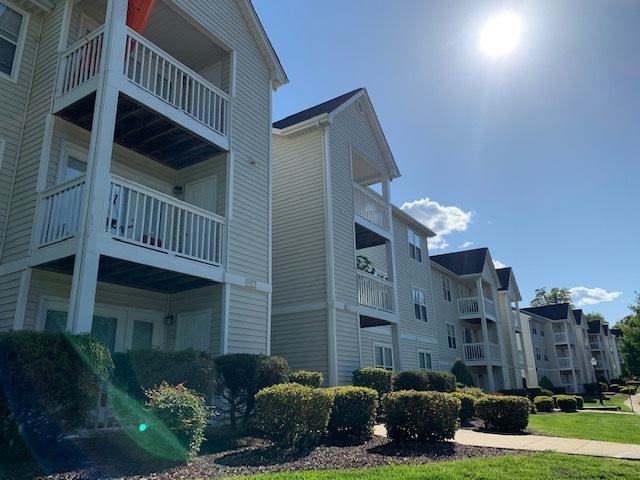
x: 558, y: 343
x: 603, y: 348
x: 614, y: 341
x: 135, y: 194
x: 352, y: 285
x: 470, y: 326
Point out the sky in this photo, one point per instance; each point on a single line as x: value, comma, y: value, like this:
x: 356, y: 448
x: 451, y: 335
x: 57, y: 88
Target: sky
x: 535, y: 154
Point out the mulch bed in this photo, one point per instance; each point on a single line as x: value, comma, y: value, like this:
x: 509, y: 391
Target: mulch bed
x: 117, y: 457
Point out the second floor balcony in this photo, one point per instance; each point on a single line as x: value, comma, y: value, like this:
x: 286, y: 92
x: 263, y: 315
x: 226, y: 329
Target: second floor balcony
x: 475, y: 354
x: 469, y: 308
x: 375, y: 292
x: 561, y: 338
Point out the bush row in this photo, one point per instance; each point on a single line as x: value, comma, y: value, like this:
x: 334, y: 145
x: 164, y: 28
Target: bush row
x: 384, y: 381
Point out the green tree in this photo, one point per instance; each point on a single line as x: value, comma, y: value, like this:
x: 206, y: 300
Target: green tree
x: 630, y: 345
x: 553, y: 296
x: 462, y: 373
x: 594, y: 316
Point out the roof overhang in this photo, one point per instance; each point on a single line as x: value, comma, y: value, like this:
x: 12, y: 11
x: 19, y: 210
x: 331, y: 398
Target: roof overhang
x: 39, y: 7
x: 412, y: 222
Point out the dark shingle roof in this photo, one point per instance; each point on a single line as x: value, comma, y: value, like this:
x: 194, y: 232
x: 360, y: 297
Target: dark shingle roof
x: 617, y: 332
x: 578, y: 316
x: 463, y: 263
x: 605, y: 328
x: 504, y: 275
x: 594, y: 326
x: 557, y: 311
x: 325, y: 107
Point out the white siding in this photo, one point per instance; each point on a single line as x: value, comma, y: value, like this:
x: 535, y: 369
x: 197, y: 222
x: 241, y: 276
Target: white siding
x: 9, y: 288
x: 247, y: 321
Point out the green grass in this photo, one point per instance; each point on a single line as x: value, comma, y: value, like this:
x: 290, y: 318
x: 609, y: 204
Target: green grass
x: 537, y: 466
x: 607, y: 427
x: 617, y: 401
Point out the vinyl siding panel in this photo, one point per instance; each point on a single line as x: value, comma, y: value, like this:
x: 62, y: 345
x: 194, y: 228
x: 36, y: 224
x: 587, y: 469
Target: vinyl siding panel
x: 347, y: 345
x: 446, y: 312
x: 369, y: 337
x: 247, y: 331
x: 22, y: 212
x: 9, y: 288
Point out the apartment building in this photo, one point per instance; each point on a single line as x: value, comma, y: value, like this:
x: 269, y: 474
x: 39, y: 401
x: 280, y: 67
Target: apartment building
x: 602, y: 344
x: 135, y: 174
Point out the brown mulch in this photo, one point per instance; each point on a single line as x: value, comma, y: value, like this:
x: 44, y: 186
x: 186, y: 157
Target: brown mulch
x: 118, y: 457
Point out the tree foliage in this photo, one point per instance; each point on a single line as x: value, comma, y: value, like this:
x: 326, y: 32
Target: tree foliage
x: 462, y: 373
x: 552, y: 297
x: 594, y: 316
x: 630, y: 345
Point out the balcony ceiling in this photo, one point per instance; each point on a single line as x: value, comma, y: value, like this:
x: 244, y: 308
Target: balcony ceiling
x: 134, y: 275
x: 366, y: 238
x: 146, y: 132
x: 366, y: 321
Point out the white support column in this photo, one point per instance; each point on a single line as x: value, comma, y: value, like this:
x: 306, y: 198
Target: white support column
x: 395, y: 341
x: 485, y: 335
x: 92, y: 216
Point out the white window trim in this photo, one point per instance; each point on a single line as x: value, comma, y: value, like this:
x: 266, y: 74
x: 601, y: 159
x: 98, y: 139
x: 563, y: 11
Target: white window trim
x: 454, y: 336
x: 67, y: 150
x: 383, y: 346
x: 445, y: 284
x: 411, y: 238
x: 425, y: 352
x: 414, y: 303
x: 86, y: 23
x: 17, y: 59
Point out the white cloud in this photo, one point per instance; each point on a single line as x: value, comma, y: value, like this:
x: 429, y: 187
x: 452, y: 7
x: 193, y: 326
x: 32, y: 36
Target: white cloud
x: 466, y: 244
x: 590, y: 296
x: 498, y: 264
x: 439, y: 218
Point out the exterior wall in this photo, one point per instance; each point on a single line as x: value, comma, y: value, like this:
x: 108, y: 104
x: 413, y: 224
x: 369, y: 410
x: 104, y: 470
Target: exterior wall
x: 374, y: 336
x: 247, y: 330
x: 9, y: 289
x: 446, y: 312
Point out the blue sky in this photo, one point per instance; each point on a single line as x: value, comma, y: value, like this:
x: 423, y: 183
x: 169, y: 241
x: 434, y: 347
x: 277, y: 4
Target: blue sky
x: 535, y: 155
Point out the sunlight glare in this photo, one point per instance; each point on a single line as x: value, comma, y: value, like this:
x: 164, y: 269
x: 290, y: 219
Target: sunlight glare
x: 500, y: 34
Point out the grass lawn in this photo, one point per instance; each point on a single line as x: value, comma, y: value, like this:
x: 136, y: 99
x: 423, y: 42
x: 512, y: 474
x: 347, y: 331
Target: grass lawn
x: 617, y: 400
x: 537, y: 466
x: 608, y: 427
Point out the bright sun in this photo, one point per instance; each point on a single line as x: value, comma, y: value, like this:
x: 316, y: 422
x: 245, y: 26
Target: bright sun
x: 500, y: 35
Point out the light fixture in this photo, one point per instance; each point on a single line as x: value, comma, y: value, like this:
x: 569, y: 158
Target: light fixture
x: 177, y: 190
x: 168, y: 320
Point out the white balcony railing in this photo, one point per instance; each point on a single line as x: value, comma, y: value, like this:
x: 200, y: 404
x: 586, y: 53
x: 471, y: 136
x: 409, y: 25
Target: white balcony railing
x: 474, y: 352
x: 81, y: 61
x: 370, y: 206
x: 595, y: 345
x: 471, y: 306
x: 139, y: 215
x: 565, y: 362
x: 143, y: 216
x: 563, y: 337
x: 489, y: 308
x: 60, y: 211
x: 153, y: 70
x: 375, y: 292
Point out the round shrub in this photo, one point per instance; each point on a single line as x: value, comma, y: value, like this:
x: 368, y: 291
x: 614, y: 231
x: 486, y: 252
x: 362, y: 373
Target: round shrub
x: 291, y: 414
x: 377, y: 378
x: 424, y: 380
x: 546, y: 393
x: 544, y: 403
x: 182, y: 411
x: 306, y: 378
x: 614, y: 387
x: 533, y: 392
x: 467, y: 409
x: 559, y: 390
x: 579, y: 402
x: 425, y: 416
x: 354, y: 413
x: 566, y: 403
x: 505, y: 413
x: 473, y: 391
x: 629, y: 390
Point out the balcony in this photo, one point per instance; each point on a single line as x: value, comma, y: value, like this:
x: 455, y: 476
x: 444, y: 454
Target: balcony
x: 564, y: 338
x: 166, y: 111
x: 475, y: 354
x: 595, y: 346
x: 565, y: 363
x: 375, y: 292
x: 469, y: 308
x: 371, y: 217
x: 136, y: 215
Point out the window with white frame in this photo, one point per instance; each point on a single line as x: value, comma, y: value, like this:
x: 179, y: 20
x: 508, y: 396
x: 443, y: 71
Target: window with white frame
x: 545, y: 354
x: 383, y: 357
x: 13, y: 29
x: 73, y: 162
x: 419, y: 304
x: 415, y: 249
x: 538, y: 356
x: 541, y: 332
x: 451, y: 335
x: 446, y: 288
x: 424, y: 360
x: 534, y: 328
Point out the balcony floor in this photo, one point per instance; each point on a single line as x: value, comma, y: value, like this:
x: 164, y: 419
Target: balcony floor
x: 134, y: 275
x: 146, y: 132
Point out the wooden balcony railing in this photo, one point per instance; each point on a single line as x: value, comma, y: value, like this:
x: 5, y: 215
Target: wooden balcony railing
x: 375, y: 292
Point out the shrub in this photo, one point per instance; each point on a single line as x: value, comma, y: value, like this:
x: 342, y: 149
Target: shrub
x: 566, y: 403
x: 306, y: 378
x: 533, y: 392
x: 354, y: 413
x: 240, y: 376
x: 579, y: 402
x: 424, y: 380
x: 292, y: 414
x: 614, y: 387
x: 517, y: 392
x: 139, y: 370
x: 182, y: 411
x: 559, y: 390
x: 473, y: 391
x: 49, y: 383
x: 462, y: 373
x: 546, y: 393
x: 545, y: 383
x: 629, y: 390
x: 604, y: 387
x: 467, y: 402
x: 590, y: 388
x: 377, y: 378
x: 544, y: 403
x: 425, y: 416
x: 506, y: 413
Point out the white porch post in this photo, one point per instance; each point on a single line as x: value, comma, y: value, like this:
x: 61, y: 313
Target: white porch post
x: 395, y: 340
x: 94, y: 208
x: 485, y: 335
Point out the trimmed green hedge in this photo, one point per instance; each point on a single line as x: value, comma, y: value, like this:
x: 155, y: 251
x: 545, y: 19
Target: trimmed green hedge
x: 544, y: 403
x: 306, y: 378
x: 504, y: 413
x: 292, y: 415
x: 378, y: 379
x: 467, y: 406
x: 424, y: 416
x: 424, y: 380
x: 566, y: 403
x: 353, y: 413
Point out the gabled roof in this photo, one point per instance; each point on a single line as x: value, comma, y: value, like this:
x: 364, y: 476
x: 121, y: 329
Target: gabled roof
x: 578, y: 316
x: 413, y: 223
x: 616, y: 331
x: 467, y: 262
x: 325, y: 107
x: 557, y: 311
x: 594, y: 326
x: 504, y: 275
x: 605, y: 328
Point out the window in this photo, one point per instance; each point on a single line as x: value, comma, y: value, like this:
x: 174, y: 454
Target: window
x: 537, y: 350
x: 419, y: 304
x: 424, y: 361
x: 451, y: 335
x: 12, y: 34
x: 446, y: 288
x: 73, y: 162
x: 534, y: 329
x: 102, y: 327
x: 541, y: 332
x: 545, y: 355
x: 383, y: 357
x: 415, y: 250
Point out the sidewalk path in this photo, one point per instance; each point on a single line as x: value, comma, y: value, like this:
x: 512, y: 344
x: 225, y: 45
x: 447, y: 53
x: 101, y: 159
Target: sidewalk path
x: 539, y: 443
x: 636, y: 403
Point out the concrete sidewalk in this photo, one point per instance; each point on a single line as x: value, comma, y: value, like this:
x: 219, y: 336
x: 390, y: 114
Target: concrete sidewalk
x: 539, y: 443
